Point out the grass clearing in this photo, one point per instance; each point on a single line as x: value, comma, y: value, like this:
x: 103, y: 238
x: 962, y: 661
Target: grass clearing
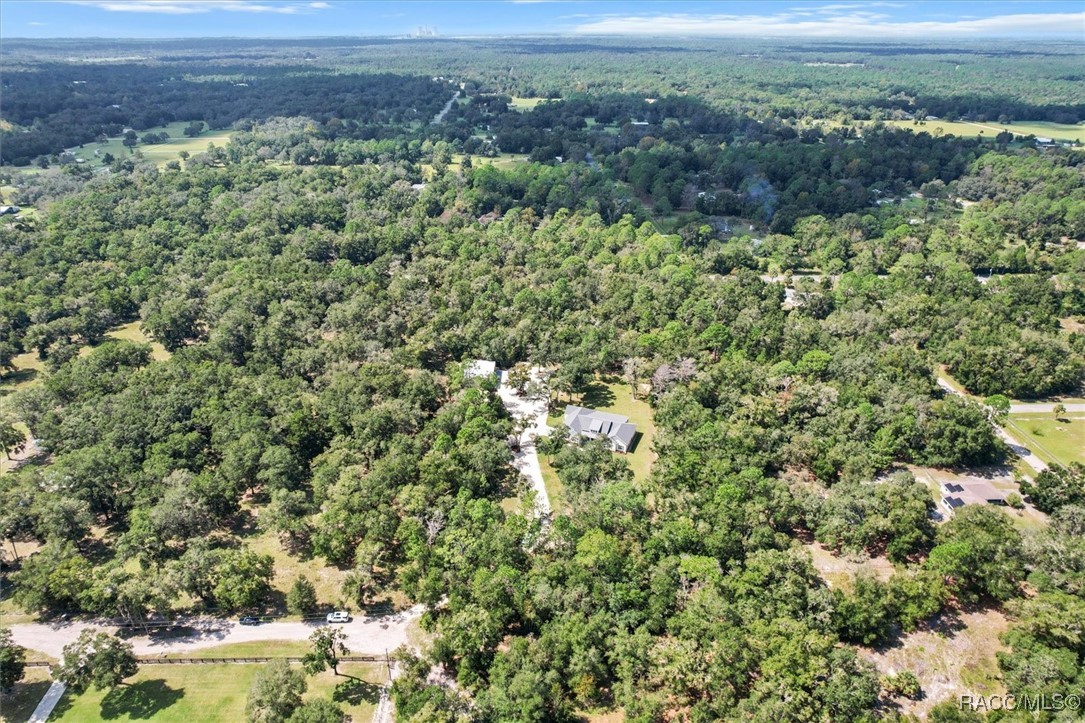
x: 16, y: 706
x: 252, y: 648
x: 133, y: 332
x: 1055, y: 131
x: 212, y: 694
x: 326, y: 578
x: 555, y: 490
x: 1059, y: 441
x: 525, y: 104
x: 158, y: 153
x: 610, y: 395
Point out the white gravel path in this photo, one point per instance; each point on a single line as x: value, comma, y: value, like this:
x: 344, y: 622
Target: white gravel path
x: 527, y: 459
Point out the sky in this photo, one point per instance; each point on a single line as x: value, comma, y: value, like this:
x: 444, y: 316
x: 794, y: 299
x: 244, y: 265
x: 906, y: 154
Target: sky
x: 872, y: 19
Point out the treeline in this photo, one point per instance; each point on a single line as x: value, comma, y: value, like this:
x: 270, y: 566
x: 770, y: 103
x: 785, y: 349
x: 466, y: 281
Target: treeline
x: 56, y: 106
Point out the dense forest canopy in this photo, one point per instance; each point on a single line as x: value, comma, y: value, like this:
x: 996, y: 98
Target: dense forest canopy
x: 782, y: 295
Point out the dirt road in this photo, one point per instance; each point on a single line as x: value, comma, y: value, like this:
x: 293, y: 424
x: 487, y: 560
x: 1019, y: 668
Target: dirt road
x: 364, y: 634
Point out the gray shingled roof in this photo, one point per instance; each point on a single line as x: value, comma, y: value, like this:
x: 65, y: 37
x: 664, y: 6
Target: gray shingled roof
x: 593, y: 423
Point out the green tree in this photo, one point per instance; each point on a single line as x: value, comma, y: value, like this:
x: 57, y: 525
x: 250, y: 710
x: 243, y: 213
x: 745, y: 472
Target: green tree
x: 243, y: 579
x: 12, y: 661
x: 275, y: 693
x: 328, y: 645
x: 979, y: 554
x: 55, y: 578
x: 96, y: 659
x: 301, y: 599
x: 318, y: 710
x: 11, y: 439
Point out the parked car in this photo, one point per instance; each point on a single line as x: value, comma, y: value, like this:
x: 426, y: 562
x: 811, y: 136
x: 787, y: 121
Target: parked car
x: 339, y: 616
x: 249, y: 620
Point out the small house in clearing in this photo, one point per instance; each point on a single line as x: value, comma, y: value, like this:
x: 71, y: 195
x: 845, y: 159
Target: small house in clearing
x: 958, y: 494
x: 479, y: 368
x: 5, y: 210
x: 594, y: 424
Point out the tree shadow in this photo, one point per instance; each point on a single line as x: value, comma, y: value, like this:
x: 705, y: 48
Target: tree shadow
x: 139, y: 701
x: 356, y: 690
x: 596, y: 395
x: 9, y: 381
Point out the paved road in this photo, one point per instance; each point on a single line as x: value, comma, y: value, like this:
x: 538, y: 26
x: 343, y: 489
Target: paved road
x: 47, y: 703
x: 527, y: 459
x: 364, y: 635
x: 444, y: 111
x: 1015, y: 444
x: 1044, y: 408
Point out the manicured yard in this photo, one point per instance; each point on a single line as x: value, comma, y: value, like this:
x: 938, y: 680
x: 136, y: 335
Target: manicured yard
x: 16, y: 706
x: 609, y: 395
x: 1061, y: 441
x: 254, y: 648
x: 211, y: 694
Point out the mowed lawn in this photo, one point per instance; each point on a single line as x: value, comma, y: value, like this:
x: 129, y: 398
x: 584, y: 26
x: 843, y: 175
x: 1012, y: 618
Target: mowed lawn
x: 159, y: 153
x: 211, y: 694
x: 525, y: 104
x: 17, y: 705
x: 1056, y: 131
x: 1061, y: 441
x: 609, y: 395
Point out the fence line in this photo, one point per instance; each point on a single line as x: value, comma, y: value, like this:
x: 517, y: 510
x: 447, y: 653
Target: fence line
x: 255, y: 659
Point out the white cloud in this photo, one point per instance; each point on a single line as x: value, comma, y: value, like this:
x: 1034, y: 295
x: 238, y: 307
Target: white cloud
x: 189, y: 7
x: 854, y: 24
x: 36, y: 24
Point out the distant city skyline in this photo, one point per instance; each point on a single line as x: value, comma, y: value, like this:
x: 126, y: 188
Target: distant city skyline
x: 877, y: 19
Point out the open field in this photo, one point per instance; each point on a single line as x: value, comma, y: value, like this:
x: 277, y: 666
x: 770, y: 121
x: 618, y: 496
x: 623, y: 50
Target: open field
x: 326, y: 578
x: 1056, y: 131
x: 525, y: 104
x: 159, y: 153
x: 954, y: 657
x: 1054, y: 441
x: 16, y: 706
x: 210, y: 694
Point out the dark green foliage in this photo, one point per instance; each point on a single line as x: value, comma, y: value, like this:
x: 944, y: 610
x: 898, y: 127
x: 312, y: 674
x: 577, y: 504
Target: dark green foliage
x: 96, y: 659
x: 979, y: 554
x: 301, y: 599
x: 318, y: 307
x: 1056, y: 487
x: 275, y: 695
x: 12, y: 661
